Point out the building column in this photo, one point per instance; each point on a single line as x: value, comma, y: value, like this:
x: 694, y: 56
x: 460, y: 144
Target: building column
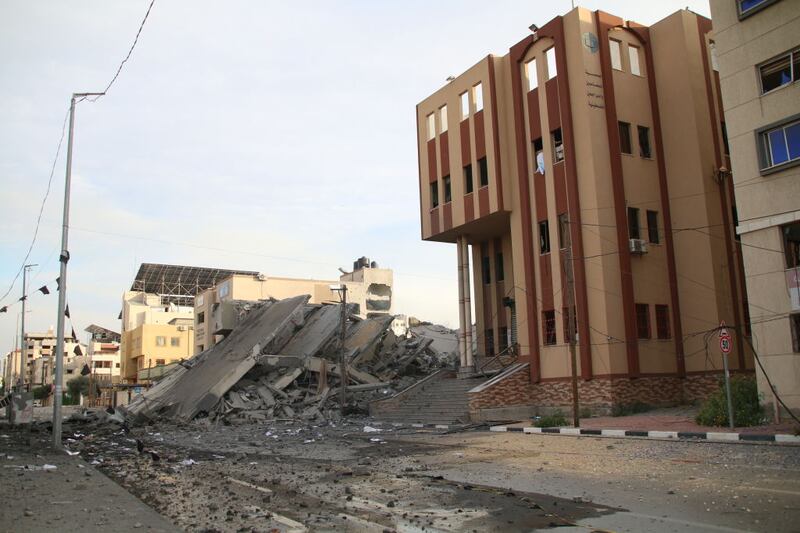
x: 469, y: 368
x: 462, y: 331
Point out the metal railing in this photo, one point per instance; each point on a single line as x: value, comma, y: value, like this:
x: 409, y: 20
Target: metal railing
x: 504, y: 359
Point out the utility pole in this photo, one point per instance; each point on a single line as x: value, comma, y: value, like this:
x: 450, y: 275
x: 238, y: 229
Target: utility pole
x: 23, y: 360
x: 62, y: 290
x: 342, y: 355
x: 571, y: 322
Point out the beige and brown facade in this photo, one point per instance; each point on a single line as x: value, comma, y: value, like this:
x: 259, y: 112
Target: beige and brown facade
x: 601, y: 139
x: 757, y: 45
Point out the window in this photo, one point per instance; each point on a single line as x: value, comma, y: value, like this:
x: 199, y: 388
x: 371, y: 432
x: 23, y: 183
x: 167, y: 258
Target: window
x: 633, y: 223
x: 544, y: 237
x: 447, y: 193
x: 714, y: 59
x: 644, y: 142
x: 530, y: 74
x: 478, y: 89
x: 443, y: 118
x: 616, y: 54
x: 464, y: 105
x: 746, y: 7
x: 502, y: 342
x: 468, y: 179
x: 499, y: 271
x: 794, y: 323
x: 780, y: 145
x: 643, y: 321
x: 779, y: 72
x: 116, y: 365
x: 431, y: 126
x: 539, y: 155
x: 487, y: 274
x: 625, y: 138
x: 633, y: 53
x: 558, y: 146
x: 652, y: 226
x: 484, y: 172
x: 552, y: 71
x: 201, y: 317
x: 662, y: 322
x: 549, y: 327
x: 435, y: 194
x: 175, y: 341
x: 489, y: 342
x: 161, y: 362
x: 725, y: 145
x: 161, y: 341
x: 791, y: 244
x: 563, y: 231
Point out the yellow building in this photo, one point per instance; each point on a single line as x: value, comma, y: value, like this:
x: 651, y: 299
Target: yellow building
x: 152, y: 345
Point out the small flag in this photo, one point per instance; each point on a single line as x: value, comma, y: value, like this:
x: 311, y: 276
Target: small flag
x: 22, y: 298
x: 120, y: 316
x: 85, y: 370
x: 3, y: 309
x: 75, y: 337
x: 58, y: 284
x: 44, y: 290
x: 66, y: 312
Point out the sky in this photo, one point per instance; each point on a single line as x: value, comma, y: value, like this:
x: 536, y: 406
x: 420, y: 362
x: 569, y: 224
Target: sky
x: 257, y: 135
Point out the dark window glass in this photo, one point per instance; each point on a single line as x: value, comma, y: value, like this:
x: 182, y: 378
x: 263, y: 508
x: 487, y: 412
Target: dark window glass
x: 652, y: 226
x: 791, y: 244
x: 782, y: 144
x: 484, y: 170
x: 499, y: 273
x: 633, y: 223
x: 776, y: 73
x: 725, y: 145
x: 643, y: 321
x: 468, y: 178
x: 662, y: 322
x: 447, y: 192
x: 794, y: 324
x: 558, y: 146
x: 644, y: 141
x: 502, y: 341
x: 625, y: 138
x: 549, y: 327
x: 489, y: 342
x: 747, y: 5
x: 544, y: 237
x: 434, y: 194
x: 538, y: 154
x: 487, y: 274
x: 563, y: 231
x: 735, y: 214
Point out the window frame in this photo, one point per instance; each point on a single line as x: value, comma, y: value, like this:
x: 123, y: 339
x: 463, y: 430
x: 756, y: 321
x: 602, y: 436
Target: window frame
x: 563, y: 231
x: 636, y: 223
x: 443, y: 118
x: 552, y: 62
x: 653, y: 235
x: 463, y: 98
x: 626, y: 127
x: 753, y: 10
x: 489, y: 342
x: 530, y: 66
x: 483, y: 172
x: 763, y: 148
x: 615, y: 52
x: 791, y: 253
x: 434, y: 190
x: 643, y: 311
x: 556, y: 145
x: 544, y: 237
x: 431, y: 125
x: 477, y: 96
x: 634, y: 51
x: 161, y: 340
x: 792, y: 54
x: 663, y: 326
x: 794, y: 328
x: 486, y: 272
x: 499, y: 267
x: 448, y: 189
x: 646, y: 131
x: 549, y: 335
x: 469, y: 180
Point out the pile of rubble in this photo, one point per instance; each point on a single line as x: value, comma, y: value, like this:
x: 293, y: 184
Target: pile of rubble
x: 282, y: 362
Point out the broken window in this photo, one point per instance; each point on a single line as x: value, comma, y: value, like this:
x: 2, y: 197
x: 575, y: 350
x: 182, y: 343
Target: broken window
x: 558, y: 146
x: 468, y: 179
x: 379, y: 297
x: 552, y: 71
x: 478, y: 97
x: 779, y: 72
x: 544, y: 237
x: 530, y: 74
x: 549, y: 327
x: 434, y: 195
x: 484, y: 172
x: 633, y: 53
x: 791, y: 244
x: 447, y: 193
x: 487, y: 275
x: 643, y: 321
x: 633, y: 223
x: 498, y: 267
x: 662, y: 322
x: 616, y: 54
x: 625, y: 138
x: 652, y: 227
x: 201, y: 317
x: 644, y: 141
x: 489, y: 342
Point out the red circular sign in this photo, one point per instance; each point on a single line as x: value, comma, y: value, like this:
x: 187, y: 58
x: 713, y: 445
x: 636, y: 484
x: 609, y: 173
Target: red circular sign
x: 725, y: 344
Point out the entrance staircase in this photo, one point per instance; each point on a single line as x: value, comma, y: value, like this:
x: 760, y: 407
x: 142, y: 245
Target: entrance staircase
x: 440, y: 399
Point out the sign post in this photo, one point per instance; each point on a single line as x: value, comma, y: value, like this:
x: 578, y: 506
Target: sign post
x: 725, y: 346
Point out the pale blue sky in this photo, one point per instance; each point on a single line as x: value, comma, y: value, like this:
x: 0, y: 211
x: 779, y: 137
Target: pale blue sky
x: 239, y: 134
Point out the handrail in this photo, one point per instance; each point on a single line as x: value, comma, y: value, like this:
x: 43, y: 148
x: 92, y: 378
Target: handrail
x: 510, y: 351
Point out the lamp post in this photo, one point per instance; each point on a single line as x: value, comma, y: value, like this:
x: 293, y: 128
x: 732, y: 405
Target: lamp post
x: 62, y: 287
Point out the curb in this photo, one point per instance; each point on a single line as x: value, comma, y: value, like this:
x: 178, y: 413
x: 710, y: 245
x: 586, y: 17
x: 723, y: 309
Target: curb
x: 675, y: 435
x: 418, y: 426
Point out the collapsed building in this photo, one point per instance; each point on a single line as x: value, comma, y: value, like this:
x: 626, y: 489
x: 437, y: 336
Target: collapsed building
x: 283, y: 360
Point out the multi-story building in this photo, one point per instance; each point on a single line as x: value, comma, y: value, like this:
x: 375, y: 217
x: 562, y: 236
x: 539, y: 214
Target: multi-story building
x: 104, y: 354
x: 592, y: 150
x: 40, y: 352
x: 757, y: 45
x: 158, y: 315
x: 369, y: 287
x: 11, y: 369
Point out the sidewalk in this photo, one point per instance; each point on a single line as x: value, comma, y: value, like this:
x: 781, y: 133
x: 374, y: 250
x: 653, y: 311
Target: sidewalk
x: 45, y: 490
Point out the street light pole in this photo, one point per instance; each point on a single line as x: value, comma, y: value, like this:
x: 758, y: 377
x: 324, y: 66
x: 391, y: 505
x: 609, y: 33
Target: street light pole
x: 62, y: 287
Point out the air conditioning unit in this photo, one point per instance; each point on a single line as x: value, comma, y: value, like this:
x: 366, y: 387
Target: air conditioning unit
x: 638, y: 246
x: 181, y: 328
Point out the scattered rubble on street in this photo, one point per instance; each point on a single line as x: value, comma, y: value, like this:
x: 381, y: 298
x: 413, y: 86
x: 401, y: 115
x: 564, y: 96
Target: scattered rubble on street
x: 283, y: 362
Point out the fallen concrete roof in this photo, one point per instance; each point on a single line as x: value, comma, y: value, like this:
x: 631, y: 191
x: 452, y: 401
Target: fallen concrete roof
x: 188, y: 391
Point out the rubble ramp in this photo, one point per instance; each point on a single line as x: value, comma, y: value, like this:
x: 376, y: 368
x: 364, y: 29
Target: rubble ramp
x: 440, y: 398
x: 198, y: 385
